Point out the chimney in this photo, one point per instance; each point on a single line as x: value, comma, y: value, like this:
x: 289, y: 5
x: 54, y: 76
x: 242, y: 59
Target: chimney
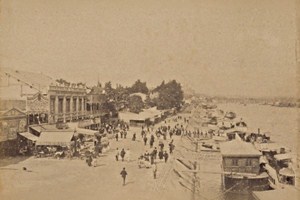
x: 258, y: 131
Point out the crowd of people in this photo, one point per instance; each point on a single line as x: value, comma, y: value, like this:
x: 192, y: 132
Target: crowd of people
x: 158, y: 142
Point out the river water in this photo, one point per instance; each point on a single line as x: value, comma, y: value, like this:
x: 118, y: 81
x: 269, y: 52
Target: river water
x: 282, y: 125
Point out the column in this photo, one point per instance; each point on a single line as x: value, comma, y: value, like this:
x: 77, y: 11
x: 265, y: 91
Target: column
x: 82, y: 105
x: 64, y: 108
x: 77, y: 106
x: 71, y: 108
x: 56, y: 109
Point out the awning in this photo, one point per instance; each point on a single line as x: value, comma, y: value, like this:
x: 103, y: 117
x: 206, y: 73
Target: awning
x: 287, y: 172
x: 29, y: 136
x: 284, y: 156
x: 55, y: 138
x: 37, y: 128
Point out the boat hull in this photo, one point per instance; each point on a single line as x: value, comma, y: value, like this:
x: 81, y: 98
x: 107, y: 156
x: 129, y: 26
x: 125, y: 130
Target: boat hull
x: 244, y: 184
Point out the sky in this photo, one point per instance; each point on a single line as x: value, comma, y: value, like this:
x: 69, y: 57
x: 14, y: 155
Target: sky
x: 216, y: 47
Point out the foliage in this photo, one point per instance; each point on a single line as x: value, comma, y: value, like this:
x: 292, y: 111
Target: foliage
x: 135, y: 104
x: 170, y: 95
x: 139, y: 86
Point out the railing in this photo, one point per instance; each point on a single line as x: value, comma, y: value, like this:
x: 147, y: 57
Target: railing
x: 68, y: 89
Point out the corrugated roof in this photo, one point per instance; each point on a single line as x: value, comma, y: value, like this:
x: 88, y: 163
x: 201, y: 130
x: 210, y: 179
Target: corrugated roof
x: 55, y: 138
x: 238, y: 148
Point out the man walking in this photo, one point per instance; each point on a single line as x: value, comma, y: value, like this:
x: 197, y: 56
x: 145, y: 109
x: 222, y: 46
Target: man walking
x: 166, y: 156
x: 145, y: 140
x: 123, y: 154
x: 123, y: 174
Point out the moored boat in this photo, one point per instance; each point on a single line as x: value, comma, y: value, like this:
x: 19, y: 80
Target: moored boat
x: 242, y: 172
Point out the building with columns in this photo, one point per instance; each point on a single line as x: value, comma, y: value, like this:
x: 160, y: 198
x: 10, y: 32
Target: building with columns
x: 47, y: 100
x: 66, y: 103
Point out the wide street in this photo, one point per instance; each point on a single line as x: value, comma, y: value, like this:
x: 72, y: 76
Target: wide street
x: 48, y: 178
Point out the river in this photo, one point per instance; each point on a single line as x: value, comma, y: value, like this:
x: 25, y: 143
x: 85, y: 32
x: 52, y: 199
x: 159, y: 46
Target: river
x: 282, y: 125
x: 281, y: 122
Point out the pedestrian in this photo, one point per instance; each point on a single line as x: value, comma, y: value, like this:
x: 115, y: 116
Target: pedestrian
x: 128, y: 155
x: 160, y: 154
x: 154, y: 168
x: 151, y: 159
x: 133, y: 136
x: 123, y: 154
x: 154, y: 152
x: 117, y: 136
x: 171, y: 147
x: 124, y: 174
x: 121, y: 134
x: 166, y: 156
x: 89, y: 160
x: 117, y: 154
x: 125, y: 134
x: 145, y: 140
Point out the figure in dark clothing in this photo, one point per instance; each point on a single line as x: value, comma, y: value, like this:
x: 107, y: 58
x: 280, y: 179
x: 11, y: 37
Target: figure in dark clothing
x: 124, y: 174
x: 160, y: 155
x: 89, y: 160
x: 134, y: 137
x: 125, y: 134
x: 145, y: 140
x: 152, y: 159
x: 154, y: 153
x: 117, y: 136
x: 161, y: 146
x: 123, y: 154
x: 121, y: 134
x: 166, y: 156
x: 171, y: 147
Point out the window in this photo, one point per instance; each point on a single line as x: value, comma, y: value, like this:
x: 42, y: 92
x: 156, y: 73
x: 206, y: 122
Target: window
x: 249, y: 162
x: 234, y: 162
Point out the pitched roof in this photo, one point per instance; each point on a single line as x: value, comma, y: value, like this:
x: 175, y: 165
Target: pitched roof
x: 237, y: 148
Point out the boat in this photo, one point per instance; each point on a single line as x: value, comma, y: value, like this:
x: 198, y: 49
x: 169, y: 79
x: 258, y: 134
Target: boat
x: 278, y: 163
x: 242, y: 172
x: 230, y: 115
x: 210, y: 147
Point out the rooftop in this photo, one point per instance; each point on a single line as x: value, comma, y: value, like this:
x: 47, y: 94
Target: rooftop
x: 238, y: 148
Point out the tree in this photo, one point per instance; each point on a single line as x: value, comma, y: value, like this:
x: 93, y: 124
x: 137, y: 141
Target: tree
x: 109, y: 91
x: 139, y: 86
x: 135, y: 104
x: 170, y: 95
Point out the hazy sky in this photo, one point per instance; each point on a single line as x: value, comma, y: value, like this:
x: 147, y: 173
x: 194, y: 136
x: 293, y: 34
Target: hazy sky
x: 225, y: 47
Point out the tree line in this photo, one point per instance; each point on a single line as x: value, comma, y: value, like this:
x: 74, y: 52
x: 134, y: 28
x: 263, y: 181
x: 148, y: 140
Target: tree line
x: 138, y: 96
